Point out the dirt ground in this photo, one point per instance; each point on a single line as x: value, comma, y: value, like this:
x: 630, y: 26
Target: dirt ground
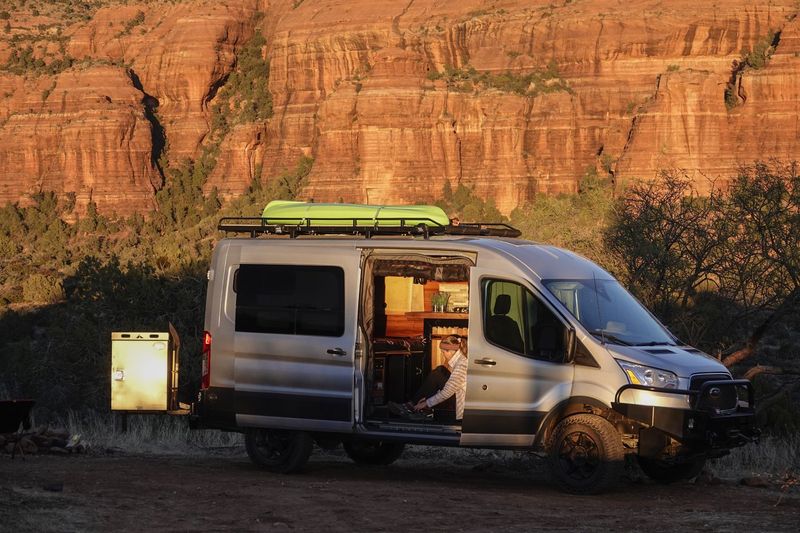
x: 443, y: 490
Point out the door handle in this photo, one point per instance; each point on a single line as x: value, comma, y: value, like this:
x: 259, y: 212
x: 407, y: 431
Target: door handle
x: 337, y: 352
x: 485, y: 362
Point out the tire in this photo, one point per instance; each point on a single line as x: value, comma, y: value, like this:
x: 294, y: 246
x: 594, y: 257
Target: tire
x: 278, y: 451
x: 664, y: 472
x: 373, y: 452
x: 585, y: 454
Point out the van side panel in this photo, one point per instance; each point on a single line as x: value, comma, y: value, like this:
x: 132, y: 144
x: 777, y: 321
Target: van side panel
x: 508, y: 394
x: 286, y: 380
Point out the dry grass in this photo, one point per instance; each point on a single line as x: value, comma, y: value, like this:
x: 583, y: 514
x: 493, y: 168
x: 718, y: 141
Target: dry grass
x: 773, y: 456
x: 160, y: 434
x: 150, y: 434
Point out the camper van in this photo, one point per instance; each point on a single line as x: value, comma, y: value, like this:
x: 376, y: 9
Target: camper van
x: 320, y: 317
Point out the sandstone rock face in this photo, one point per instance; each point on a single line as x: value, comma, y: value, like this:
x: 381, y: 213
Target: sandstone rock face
x: 180, y: 54
x: 82, y: 132
x: 381, y: 95
x: 688, y: 125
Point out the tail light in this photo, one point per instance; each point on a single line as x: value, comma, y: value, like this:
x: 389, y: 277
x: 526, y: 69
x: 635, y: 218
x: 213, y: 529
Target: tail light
x: 206, y: 377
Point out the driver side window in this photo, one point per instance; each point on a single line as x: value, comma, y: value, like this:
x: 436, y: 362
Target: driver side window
x: 516, y: 320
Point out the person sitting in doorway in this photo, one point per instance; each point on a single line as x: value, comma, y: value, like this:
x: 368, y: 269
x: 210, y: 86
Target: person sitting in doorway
x: 445, y: 387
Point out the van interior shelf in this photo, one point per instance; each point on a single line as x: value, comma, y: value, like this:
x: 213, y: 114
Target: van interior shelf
x: 431, y: 314
x: 367, y: 227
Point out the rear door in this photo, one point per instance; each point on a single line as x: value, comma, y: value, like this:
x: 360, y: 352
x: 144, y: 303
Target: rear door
x: 516, y: 372
x: 295, y: 314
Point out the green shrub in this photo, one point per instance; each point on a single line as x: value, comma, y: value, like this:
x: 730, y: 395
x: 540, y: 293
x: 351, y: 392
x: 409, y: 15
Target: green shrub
x: 573, y: 221
x: 467, y: 207
x: 759, y: 55
x: 38, y: 288
x: 756, y: 59
x: 245, y: 96
x: 467, y: 79
x: 731, y: 98
x: 286, y: 186
x: 8, y: 247
x: 22, y: 61
x: 132, y: 23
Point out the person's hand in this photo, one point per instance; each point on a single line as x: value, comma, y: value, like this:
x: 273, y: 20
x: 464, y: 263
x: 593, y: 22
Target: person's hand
x: 422, y: 404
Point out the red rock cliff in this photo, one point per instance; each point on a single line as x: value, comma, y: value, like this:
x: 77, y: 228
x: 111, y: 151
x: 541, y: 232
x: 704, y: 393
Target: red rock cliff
x: 393, y: 99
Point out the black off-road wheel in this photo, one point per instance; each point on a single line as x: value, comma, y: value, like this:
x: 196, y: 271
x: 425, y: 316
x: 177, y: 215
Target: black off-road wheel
x: 671, y: 472
x: 279, y: 451
x: 373, y: 452
x: 585, y: 454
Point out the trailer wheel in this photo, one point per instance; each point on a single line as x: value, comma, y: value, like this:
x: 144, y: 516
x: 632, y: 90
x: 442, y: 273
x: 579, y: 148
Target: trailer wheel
x: 585, y: 454
x: 664, y: 472
x: 373, y: 452
x: 278, y: 451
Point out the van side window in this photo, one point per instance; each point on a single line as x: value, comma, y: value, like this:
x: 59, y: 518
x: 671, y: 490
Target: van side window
x: 515, y: 319
x: 290, y: 300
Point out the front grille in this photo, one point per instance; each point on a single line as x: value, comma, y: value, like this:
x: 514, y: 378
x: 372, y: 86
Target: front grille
x: 727, y: 399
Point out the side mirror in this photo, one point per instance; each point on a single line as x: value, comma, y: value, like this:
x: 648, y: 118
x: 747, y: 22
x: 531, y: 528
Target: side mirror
x: 571, y: 345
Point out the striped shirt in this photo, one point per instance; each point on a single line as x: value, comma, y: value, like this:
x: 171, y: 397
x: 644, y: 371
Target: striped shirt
x: 456, y: 384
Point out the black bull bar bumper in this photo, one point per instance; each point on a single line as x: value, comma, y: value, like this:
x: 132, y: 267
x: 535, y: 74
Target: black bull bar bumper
x: 703, y: 424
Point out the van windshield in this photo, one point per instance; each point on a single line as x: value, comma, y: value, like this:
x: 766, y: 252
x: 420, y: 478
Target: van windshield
x: 609, y: 312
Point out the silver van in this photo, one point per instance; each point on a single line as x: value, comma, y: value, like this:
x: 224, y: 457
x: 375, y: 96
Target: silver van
x: 310, y: 334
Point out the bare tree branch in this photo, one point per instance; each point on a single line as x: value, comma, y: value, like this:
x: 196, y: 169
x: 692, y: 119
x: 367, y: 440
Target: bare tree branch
x: 762, y: 369
x: 749, y: 348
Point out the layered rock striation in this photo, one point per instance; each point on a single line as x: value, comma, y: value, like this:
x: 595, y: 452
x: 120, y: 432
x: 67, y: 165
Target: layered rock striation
x: 394, y: 100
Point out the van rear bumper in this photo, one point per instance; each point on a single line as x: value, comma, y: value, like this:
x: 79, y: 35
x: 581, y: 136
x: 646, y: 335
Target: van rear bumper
x: 702, y: 427
x: 214, y: 409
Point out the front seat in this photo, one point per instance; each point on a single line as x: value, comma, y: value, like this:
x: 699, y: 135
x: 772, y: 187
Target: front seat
x: 548, y: 337
x: 501, y: 328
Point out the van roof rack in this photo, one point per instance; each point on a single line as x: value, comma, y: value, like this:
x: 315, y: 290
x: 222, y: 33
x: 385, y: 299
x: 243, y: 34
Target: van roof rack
x: 366, y: 226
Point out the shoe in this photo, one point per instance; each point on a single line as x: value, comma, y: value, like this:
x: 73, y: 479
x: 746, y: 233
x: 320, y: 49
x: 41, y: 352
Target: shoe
x: 423, y: 415
x: 426, y: 411
x: 399, y: 409
x: 403, y: 411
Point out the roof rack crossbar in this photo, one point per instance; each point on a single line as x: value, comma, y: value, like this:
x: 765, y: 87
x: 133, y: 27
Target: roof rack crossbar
x: 367, y: 226
x: 494, y: 229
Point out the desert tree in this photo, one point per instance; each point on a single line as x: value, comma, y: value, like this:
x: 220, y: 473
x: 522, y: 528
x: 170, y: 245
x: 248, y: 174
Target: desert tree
x: 728, y: 260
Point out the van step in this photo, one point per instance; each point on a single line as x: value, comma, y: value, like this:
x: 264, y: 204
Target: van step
x: 406, y: 427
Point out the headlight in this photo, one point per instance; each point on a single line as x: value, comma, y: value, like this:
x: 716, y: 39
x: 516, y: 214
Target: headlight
x: 649, y: 376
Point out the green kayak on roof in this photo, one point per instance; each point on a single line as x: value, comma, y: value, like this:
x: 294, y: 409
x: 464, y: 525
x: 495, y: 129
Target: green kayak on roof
x: 330, y: 214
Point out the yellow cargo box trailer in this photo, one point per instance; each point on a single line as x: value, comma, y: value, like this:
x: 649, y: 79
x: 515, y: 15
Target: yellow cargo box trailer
x: 144, y: 371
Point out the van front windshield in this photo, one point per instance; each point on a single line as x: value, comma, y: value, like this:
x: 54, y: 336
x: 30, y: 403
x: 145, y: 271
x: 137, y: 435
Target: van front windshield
x: 609, y: 312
